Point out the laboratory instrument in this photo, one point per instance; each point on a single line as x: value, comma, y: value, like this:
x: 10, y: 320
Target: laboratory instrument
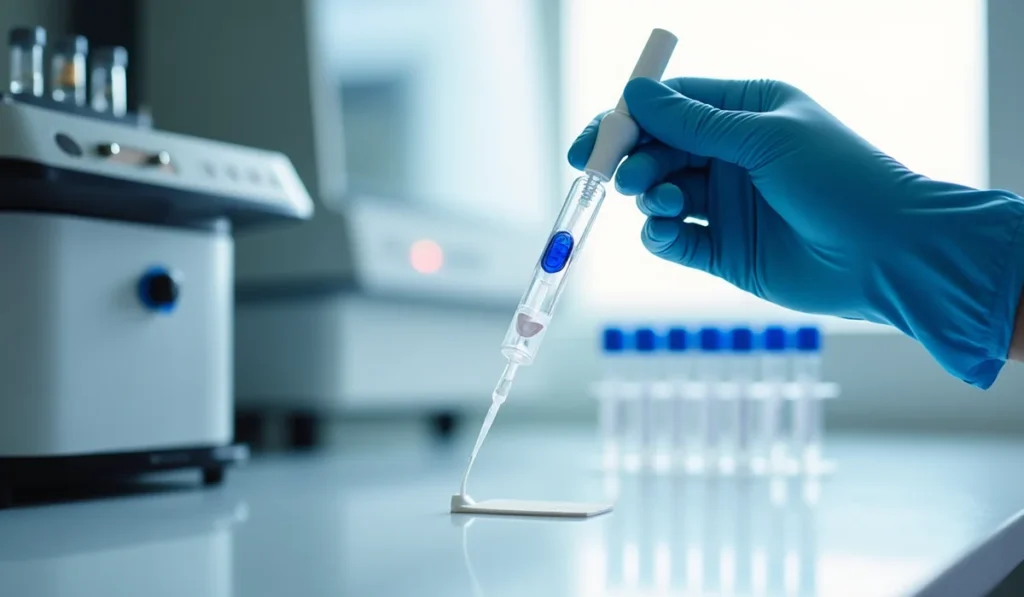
x: 67, y: 70
x: 618, y: 134
x: 26, y: 45
x: 117, y: 345
x: 343, y: 316
x: 712, y: 400
x: 108, y: 80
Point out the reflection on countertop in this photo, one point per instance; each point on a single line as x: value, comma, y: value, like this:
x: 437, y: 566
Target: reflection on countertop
x: 375, y: 523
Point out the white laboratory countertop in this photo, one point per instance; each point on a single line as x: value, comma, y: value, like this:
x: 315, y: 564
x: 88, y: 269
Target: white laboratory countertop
x: 898, y: 511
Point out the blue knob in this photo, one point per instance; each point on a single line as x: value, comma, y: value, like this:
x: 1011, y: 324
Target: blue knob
x: 159, y: 289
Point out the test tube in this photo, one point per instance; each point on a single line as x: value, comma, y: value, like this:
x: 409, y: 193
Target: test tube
x: 736, y: 408
x: 67, y: 70
x: 108, y: 81
x: 26, y: 48
x: 770, y: 454
x: 710, y: 375
x: 678, y: 345
x: 613, y: 344
x: 662, y: 390
x: 808, y: 411
x: 645, y: 341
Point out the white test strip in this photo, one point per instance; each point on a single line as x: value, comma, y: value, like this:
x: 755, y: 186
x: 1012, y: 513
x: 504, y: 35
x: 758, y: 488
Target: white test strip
x: 462, y: 504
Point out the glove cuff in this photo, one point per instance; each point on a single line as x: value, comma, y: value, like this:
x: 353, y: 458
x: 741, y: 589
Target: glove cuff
x: 956, y: 287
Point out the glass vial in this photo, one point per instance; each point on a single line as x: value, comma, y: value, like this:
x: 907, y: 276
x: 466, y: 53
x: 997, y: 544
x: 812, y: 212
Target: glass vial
x: 67, y: 70
x: 108, y: 81
x: 26, y: 48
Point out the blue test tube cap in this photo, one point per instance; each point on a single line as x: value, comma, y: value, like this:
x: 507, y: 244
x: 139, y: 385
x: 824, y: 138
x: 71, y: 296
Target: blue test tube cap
x: 808, y: 339
x: 710, y: 339
x: 645, y: 340
x: 774, y: 338
x: 741, y: 339
x: 613, y: 340
x: 678, y: 340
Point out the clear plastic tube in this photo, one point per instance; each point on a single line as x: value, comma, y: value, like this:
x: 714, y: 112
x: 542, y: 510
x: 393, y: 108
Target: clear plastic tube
x: 533, y: 315
x: 770, y: 450
x: 709, y: 372
x: 662, y: 412
x: 742, y: 370
x: 807, y: 425
x: 808, y: 411
x: 609, y: 396
x: 679, y: 378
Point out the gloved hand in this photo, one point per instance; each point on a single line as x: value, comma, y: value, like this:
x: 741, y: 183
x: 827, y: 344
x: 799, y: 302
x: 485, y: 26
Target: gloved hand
x: 803, y: 212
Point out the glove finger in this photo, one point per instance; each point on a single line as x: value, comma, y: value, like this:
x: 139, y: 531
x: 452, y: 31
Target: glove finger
x: 694, y: 185
x: 649, y: 164
x: 665, y: 200
x: 725, y: 94
x: 675, y: 241
x: 684, y: 196
x: 693, y: 126
x: 579, y: 151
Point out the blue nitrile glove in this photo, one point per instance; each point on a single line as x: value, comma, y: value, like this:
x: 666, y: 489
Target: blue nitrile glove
x: 804, y: 213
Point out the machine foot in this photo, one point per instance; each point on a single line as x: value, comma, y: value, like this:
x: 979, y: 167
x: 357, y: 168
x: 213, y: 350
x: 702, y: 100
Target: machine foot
x: 213, y: 476
x: 303, y: 431
x: 444, y: 424
x: 250, y: 429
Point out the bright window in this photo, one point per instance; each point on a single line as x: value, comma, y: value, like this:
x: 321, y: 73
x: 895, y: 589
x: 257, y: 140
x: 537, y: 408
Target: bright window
x: 908, y: 75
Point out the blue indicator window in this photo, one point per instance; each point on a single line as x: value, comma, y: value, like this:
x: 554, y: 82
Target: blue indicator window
x: 557, y: 253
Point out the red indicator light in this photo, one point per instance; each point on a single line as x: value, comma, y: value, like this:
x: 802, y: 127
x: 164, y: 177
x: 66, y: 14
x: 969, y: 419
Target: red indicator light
x: 426, y: 256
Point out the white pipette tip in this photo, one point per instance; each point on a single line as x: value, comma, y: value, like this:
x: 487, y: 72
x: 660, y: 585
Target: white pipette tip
x: 501, y: 390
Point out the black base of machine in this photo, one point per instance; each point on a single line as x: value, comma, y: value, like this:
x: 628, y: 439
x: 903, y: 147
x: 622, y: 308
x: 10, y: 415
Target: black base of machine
x: 20, y: 473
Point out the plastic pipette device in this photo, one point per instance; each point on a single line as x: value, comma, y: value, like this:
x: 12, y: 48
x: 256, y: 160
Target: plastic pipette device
x: 616, y: 136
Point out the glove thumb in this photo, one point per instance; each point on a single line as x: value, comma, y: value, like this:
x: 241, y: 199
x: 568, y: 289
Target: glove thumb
x: 689, y: 125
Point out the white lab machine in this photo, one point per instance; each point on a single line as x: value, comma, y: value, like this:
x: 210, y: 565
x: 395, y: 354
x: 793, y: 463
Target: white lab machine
x: 395, y: 296
x: 115, y: 319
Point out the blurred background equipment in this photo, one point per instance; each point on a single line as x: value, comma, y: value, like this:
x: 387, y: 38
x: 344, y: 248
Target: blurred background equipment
x: 392, y: 299
x: 116, y: 346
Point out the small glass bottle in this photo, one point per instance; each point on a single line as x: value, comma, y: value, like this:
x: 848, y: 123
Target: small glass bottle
x: 67, y: 70
x: 108, y: 81
x: 26, y: 48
